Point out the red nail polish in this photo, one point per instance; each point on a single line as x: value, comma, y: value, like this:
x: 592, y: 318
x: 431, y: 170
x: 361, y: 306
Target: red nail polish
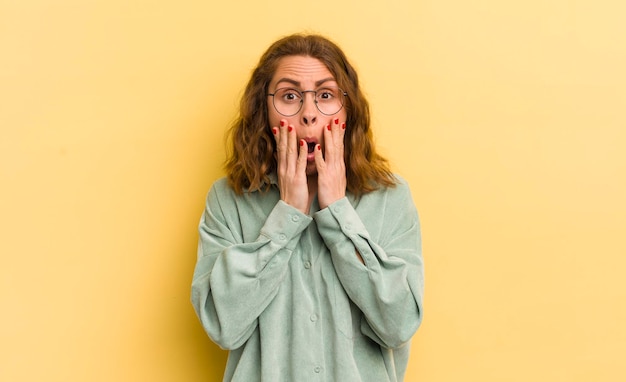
x: 336, y: 121
x: 289, y: 128
x: 274, y: 130
x: 328, y: 127
x: 319, y: 147
x: 343, y: 125
x: 301, y: 142
x: 282, y: 123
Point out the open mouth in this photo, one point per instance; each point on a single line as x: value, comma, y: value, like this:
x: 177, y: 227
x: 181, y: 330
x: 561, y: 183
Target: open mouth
x: 311, y: 146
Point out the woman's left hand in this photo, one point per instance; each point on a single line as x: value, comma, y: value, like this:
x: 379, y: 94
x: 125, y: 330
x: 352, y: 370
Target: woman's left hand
x: 331, y: 168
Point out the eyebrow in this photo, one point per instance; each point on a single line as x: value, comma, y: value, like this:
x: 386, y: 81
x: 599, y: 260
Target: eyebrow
x: 298, y: 84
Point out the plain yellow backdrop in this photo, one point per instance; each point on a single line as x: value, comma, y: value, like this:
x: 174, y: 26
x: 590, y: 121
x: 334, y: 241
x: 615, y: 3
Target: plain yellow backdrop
x: 506, y: 117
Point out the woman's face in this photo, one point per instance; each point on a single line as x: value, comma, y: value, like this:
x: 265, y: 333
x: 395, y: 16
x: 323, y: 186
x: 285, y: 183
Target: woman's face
x: 304, y: 73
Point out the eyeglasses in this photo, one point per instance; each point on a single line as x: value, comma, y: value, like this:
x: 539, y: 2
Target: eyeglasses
x: 289, y: 101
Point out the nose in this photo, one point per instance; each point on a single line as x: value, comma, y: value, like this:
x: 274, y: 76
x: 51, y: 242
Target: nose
x: 309, y: 110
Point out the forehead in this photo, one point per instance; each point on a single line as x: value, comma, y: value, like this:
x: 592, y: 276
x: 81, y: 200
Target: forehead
x: 308, y: 71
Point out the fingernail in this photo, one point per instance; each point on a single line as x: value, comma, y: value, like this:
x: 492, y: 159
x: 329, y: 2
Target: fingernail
x: 289, y: 128
x: 319, y: 147
x: 301, y: 142
x: 328, y: 127
x: 282, y: 123
x: 343, y: 125
x: 336, y: 121
x: 274, y: 130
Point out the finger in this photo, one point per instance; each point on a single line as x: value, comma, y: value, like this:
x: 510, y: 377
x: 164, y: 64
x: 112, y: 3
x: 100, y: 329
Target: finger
x: 333, y: 142
x: 338, y: 131
x: 292, y: 148
x: 282, y: 134
x: 341, y: 134
x: 302, y: 157
x: 319, y: 159
x: 328, y: 140
x: 281, y: 145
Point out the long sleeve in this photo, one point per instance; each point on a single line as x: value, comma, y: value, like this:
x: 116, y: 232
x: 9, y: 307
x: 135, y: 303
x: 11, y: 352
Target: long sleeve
x: 388, y: 288
x: 285, y: 292
x: 236, y: 277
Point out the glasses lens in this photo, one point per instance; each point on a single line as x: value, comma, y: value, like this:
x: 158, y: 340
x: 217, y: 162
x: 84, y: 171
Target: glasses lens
x: 329, y: 100
x: 288, y: 101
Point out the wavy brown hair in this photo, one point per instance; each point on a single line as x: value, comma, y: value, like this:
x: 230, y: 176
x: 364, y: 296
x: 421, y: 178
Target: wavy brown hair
x: 252, y: 158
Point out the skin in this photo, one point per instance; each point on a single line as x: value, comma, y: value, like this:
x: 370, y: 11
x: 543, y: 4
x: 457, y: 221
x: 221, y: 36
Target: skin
x: 302, y: 174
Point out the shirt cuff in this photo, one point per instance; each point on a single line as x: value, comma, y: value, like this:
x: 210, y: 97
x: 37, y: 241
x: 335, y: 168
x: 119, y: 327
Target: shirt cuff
x: 284, y: 225
x: 338, y: 221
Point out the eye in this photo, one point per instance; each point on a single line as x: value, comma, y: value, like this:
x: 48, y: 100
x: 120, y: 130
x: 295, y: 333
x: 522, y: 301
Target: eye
x: 326, y: 94
x: 289, y: 95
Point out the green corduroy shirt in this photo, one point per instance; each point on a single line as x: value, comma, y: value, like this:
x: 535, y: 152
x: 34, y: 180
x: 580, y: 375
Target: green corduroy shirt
x: 286, y: 294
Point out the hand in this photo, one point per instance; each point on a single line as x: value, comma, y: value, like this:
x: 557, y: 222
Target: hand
x: 331, y: 167
x: 291, y: 163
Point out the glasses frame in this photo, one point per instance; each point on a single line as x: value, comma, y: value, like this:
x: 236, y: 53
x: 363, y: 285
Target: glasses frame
x: 302, y: 93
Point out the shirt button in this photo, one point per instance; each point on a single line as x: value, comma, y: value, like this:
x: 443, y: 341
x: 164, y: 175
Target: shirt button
x: 313, y: 317
x: 337, y: 209
x: 282, y: 236
x: 317, y: 369
x: 347, y: 227
x: 307, y: 264
x: 295, y: 218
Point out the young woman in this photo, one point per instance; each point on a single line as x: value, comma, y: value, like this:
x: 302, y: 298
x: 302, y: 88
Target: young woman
x: 309, y: 263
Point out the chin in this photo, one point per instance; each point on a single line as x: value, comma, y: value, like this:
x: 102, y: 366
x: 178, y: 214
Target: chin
x: 311, y: 170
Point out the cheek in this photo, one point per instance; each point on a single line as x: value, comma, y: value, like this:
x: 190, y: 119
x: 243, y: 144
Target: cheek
x: 273, y: 116
x: 343, y: 115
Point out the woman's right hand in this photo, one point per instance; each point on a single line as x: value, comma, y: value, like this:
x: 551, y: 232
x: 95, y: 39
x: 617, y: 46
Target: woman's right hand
x: 291, y: 157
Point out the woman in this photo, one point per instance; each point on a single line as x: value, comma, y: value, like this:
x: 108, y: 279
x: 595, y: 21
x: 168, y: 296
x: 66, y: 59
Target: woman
x: 309, y: 263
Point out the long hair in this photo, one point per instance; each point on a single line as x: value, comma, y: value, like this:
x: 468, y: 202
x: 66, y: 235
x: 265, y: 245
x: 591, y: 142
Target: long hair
x: 252, y: 158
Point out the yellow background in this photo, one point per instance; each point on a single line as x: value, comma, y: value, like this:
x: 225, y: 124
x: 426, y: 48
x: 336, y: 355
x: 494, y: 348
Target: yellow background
x: 506, y: 117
